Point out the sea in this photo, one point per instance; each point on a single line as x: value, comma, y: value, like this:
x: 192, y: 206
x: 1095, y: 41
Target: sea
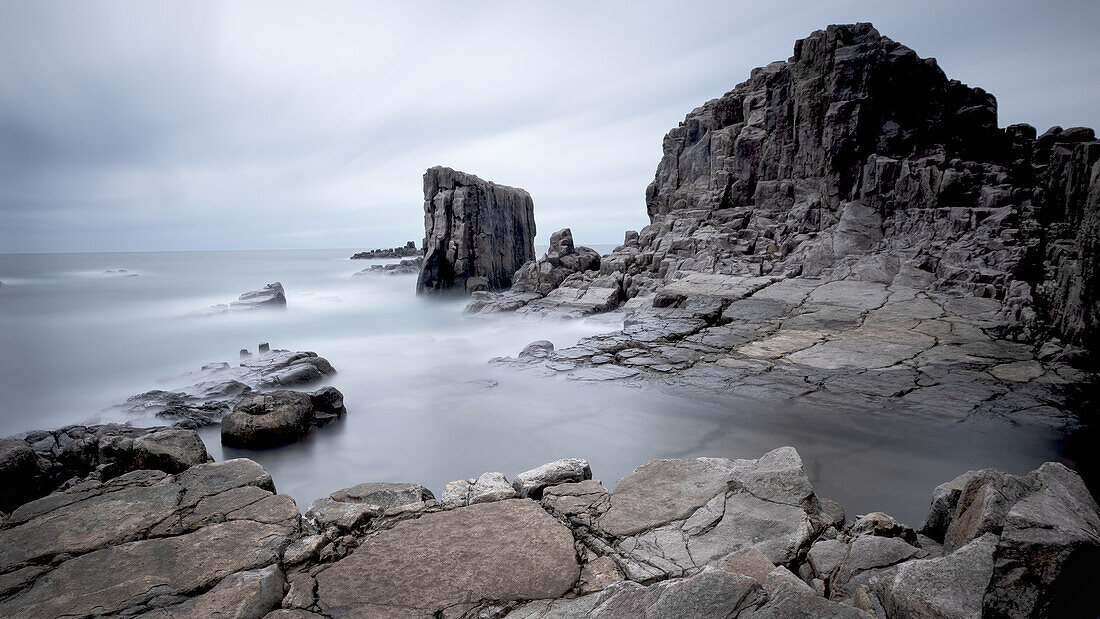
x: 80, y: 333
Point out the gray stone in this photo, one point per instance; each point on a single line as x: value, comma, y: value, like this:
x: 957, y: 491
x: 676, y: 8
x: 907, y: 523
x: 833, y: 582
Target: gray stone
x: 711, y: 593
x: 507, y: 550
x: 952, y: 586
x: 531, y: 483
x: 484, y: 489
x: 268, y: 419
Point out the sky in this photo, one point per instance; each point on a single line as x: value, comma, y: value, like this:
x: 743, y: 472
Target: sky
x: 148, y: 126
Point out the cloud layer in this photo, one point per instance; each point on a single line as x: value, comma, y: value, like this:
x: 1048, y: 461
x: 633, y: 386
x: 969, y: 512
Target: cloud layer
x: 246, y: 125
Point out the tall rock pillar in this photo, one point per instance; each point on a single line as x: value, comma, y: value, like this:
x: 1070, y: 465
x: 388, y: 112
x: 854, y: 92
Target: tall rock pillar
x: 477, y: 234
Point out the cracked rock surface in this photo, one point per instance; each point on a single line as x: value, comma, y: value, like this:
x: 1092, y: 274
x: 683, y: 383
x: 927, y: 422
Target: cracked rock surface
x: 694, y: 537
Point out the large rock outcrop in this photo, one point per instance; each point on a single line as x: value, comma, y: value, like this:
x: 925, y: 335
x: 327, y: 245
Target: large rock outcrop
x: 850, y: 225
x: 477, y: 234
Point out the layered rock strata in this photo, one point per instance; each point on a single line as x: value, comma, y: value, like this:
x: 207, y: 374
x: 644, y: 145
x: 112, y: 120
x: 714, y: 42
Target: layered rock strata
x: 477, y: 234
x: 851, y: 228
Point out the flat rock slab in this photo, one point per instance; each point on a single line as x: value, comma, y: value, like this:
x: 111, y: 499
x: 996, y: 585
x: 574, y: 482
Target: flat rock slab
x: 661, y: 491
x: 507, y: 550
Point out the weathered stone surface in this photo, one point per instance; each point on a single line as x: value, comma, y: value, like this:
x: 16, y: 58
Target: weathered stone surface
x: 948, y: 587
x: 506, y: 550
x: 41, y: 461
x: 873, y: 239
x: 661, y: 491
x: 477, y: 234
x: 208, y: 539
x: 484, y: 489
x: 711, y: 593
x: 531, y: 483
x: 279, y: 417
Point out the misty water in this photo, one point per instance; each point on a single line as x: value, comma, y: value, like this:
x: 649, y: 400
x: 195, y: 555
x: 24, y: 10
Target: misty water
x: 424, y: 404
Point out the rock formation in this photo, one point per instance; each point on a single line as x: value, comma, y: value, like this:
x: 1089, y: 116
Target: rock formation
x: 695, y: 537
x: 408, y: 251
x: 409, y: 266
x: 271, y: 296
x: 204, y: 397
x: 540, y: 278
x: 852, y: 228
x: 476, y: 233
x: 279, y: 417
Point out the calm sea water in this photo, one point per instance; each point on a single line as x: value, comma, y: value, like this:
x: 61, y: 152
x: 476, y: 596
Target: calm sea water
x: 77, y: 339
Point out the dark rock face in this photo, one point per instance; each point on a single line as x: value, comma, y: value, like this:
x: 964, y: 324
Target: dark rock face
x: 856, y: 146
x: 851, y: 227
x: 41, y: 461
x: 535, y: 280
x: 476, y: 233
x: 279, y: 417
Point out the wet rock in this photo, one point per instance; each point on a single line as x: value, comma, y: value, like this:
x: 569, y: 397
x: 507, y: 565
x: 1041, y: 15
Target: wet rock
x: 20, y: 475
x: 268, y: 419
x: 519, y: 551
x: 270, y: 296
x: 279, y: 417
x: 476, y: 233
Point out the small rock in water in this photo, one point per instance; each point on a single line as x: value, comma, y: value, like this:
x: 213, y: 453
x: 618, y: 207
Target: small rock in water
x: 264, y: 347
x: 245, y: 354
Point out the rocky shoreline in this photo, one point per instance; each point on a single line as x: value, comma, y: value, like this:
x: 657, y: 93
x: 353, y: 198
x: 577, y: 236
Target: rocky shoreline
x: 676, y: 538
x: 846, y: 229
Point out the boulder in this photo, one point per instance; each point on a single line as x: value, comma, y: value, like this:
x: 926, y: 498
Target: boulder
x: 270, y: 296
x: 20, y: 475
x: 268, y: 419
x: 531, y: 483
x: 477, y: 234
x: 279, y: 417
x: 484, y: 489
x: 562, y: 259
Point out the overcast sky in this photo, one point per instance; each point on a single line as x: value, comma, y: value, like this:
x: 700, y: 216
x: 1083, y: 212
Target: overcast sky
x: 133, y: 126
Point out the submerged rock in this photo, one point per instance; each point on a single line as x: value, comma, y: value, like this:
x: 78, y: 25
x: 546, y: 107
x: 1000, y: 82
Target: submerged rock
x: 410, y: 266
x: 476, y: 233
x: 271, y: 296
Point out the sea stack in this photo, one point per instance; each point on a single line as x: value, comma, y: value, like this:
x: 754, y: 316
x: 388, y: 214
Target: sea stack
x: 477, y: 234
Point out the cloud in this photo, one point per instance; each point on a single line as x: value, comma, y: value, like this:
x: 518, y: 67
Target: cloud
x: 173, y: 125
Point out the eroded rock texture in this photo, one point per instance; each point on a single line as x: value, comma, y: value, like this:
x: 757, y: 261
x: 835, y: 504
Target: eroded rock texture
x: 850, y: 228
x: 477, y: 234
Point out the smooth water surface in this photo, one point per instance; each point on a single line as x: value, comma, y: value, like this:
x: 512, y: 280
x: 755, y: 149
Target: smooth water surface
x: 424, y: 405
